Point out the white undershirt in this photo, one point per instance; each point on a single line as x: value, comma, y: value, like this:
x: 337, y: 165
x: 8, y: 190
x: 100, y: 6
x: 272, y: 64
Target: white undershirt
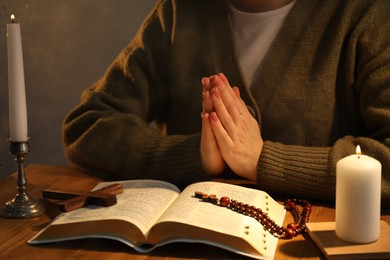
x: 254, y: 34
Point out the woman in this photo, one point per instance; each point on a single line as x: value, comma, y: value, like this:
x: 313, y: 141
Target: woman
x: 312, y: 83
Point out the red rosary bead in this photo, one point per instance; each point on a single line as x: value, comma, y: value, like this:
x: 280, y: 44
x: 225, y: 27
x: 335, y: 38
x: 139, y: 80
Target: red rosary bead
x: 253, y: 212
x: 224, y: 201
x: 289, y: 205
x: 289, y: 233
x: 307, y: 208
x: 292, y: 226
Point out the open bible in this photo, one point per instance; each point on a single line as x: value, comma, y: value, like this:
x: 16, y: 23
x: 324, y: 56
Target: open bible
x: 151, y: 213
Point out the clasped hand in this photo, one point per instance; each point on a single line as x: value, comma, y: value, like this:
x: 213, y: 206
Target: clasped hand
x: 230, y: 134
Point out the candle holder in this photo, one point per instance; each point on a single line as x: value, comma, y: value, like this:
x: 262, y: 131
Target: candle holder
x: 22, y: 205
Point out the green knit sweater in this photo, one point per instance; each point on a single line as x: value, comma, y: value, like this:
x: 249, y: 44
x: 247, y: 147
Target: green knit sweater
x: 324, y: 89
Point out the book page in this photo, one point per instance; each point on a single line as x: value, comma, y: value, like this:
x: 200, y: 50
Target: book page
x: 192, y: 211
x: 141, y: 203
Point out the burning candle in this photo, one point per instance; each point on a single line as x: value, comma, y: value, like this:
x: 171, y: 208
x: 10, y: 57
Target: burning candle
x: 16, y: 87
x: 358, y: 196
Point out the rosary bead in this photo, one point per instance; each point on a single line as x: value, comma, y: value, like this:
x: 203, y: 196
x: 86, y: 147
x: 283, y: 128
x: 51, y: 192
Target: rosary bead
x: 280, y: 231
x: 307, y: 208
x: 292, y: 226
x: 289, y: 205
x: 253, y: 213
x: 289, y: 233
x: 224, y: 201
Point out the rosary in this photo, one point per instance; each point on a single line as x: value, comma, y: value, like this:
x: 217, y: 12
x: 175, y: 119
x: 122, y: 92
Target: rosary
x: 291, y: 205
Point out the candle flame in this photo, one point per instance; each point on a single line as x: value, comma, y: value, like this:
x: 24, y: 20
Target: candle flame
x: 12, y: 18
x: 358, y: 150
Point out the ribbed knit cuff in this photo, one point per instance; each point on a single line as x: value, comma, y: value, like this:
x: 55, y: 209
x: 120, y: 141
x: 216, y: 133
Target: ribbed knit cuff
x: 295, y: 171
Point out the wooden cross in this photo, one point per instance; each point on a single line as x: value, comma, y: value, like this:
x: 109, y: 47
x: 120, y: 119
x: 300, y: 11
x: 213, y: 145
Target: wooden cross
x: 71, y: 200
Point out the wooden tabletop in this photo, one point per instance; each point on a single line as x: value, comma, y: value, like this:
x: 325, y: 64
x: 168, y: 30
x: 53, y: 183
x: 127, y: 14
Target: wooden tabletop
x: 14, y: 233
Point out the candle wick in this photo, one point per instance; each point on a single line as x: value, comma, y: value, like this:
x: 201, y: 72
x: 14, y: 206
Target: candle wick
x: 358, y: 156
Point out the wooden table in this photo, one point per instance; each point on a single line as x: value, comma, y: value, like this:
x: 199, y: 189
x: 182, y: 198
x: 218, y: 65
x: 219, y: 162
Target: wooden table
x: 14, y: 233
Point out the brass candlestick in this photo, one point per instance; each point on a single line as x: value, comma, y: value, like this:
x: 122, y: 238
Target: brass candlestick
x: 22, y: 205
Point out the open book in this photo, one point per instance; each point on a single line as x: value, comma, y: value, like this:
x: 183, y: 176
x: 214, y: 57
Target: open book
x: 152, y: 213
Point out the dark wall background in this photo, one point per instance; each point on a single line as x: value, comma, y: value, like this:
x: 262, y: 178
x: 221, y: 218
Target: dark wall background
x: 67, y: 45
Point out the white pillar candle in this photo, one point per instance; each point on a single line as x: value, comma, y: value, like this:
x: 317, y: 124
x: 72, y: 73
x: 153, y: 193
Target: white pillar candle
x: 16, y: 85
x: 358, y: 196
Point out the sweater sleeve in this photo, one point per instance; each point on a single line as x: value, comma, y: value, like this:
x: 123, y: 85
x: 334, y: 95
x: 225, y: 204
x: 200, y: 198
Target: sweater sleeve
x: 109, y: 133
x: 310, y: 171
